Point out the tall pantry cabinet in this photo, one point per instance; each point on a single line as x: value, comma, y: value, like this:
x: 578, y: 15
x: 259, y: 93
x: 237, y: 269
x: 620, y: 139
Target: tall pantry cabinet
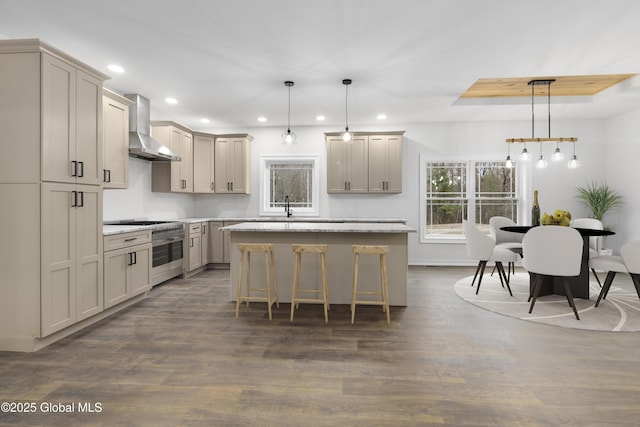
x: 50, y: 186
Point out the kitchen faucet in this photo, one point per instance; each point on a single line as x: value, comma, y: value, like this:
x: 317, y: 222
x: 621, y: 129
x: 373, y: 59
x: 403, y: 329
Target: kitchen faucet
x: 287, y: 206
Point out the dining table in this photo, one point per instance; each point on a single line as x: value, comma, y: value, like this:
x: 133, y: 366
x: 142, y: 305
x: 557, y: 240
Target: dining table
x: 579, y: 284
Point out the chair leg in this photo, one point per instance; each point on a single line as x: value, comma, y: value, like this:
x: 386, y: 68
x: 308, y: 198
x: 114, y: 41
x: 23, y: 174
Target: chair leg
x: 476, y: 275
x: 483, y: 264
x: 593, y: 270
x: 636, y: 282
x: 502, y: 275
x: 605, y: 288
x: 537, y: 284
x: 493, y: 270
x: 567, y: 291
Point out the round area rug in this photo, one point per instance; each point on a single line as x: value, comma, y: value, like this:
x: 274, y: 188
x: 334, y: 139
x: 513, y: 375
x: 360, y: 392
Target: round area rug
x: 620, y: 312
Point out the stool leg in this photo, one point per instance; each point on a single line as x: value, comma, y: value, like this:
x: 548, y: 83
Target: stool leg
x: 296, y: 279
x: 268, y: 277
x: 248, y: 280
x: 238, y: 295
x: 325, y: 292
x: 354, y: 287
x: 385, y: 288
x: 275, y: 278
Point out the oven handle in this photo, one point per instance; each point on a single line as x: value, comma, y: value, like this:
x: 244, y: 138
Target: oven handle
x: 165, y: 240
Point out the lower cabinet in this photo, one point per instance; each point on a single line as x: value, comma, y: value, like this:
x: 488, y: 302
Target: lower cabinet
x: 218, y: 243
x: 194, y: 245
x: 127, y: 266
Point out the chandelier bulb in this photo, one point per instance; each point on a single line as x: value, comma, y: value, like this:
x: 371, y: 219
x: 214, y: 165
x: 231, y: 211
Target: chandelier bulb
x: 557, y: 155
x: 524, y: 156
x: 541, y: 163
x: 574, y: 163
x: 508, y: 163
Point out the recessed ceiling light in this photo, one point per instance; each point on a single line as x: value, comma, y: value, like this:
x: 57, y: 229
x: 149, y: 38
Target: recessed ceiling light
x: 262, y: 119
x: 205, y: 120
x: 171, y: 100
x: 381, y: 116
x: 116, y: 68
x: 320, y: 118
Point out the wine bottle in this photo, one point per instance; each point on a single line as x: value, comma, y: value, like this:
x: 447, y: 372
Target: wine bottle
x: 535, y: 210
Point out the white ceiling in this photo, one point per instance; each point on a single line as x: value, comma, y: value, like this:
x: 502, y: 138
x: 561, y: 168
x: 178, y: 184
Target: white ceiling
x: 410, y: 59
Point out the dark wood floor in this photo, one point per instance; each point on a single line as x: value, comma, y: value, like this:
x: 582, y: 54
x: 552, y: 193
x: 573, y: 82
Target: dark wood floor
x: 181, y: 358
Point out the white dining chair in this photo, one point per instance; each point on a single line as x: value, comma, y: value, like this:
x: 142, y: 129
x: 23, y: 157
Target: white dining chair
x: 594, y: 241
x: 505, y: 239
x: 627, y: 262
x: 552, y: 250
x: 484, y: 249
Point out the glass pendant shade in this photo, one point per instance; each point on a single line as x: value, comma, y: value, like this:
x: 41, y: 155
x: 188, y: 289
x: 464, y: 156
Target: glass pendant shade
x: 574, y: 163
x: 557, y: 155
x: 524, y: 156
x: 508, y: 163
x: 541, y: 163
x: 346, y: 136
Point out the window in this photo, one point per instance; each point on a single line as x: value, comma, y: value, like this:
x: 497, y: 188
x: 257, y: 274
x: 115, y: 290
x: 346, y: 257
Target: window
x: 474, y: 190
x: 294, y: 177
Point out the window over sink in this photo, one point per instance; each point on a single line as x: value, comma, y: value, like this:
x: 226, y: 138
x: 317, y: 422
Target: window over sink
x: 292, y: 179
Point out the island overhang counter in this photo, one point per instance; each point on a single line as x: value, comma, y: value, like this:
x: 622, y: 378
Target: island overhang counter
x: 339, y: 237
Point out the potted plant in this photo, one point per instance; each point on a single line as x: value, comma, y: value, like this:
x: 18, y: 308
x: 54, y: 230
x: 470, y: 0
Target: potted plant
x: 599, y: 199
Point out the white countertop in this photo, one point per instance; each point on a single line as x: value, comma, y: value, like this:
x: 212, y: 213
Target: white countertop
x: 296, y: 219
x: 108, y: 230
x: 320, y: 227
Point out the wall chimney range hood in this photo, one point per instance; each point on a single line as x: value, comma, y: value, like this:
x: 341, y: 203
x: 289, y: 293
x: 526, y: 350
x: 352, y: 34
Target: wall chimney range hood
x: 141, y: 144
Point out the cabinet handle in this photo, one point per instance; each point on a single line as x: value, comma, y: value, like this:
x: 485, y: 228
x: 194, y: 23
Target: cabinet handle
x: 135, y: 258
x: 107, y: 175
x: 81, y: 174
x: 74, y: 168
x: 231, y: 185
x: 74, y: 199
x: 204, y: 229
x: 130, y: 239
x: 349, y: 186
x: 130, y: 255
x: 81, y: 193
x: 191, y: 242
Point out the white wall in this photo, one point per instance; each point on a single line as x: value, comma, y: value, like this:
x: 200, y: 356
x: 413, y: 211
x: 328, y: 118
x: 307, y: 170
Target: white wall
x: 437, y: 141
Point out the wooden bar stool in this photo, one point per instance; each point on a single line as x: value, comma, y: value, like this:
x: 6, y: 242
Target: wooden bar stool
x: 271, y: 287
x: 381, y: 250
x: 310, y: 249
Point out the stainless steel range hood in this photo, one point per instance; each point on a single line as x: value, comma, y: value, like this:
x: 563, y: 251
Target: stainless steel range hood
x: 140, y: 142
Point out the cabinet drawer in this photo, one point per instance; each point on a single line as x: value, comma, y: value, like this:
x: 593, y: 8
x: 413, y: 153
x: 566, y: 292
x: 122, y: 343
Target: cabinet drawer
x: 118, y: 241
x: 195, y: 228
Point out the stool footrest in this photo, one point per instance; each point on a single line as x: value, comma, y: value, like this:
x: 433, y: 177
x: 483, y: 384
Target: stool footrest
x: 368, y: 293
x: 297, y: 300
x: 371, y: 303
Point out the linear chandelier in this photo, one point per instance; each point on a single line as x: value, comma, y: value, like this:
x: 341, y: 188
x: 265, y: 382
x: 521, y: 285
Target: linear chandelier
x: 288, y: 137
x: 557, y: 156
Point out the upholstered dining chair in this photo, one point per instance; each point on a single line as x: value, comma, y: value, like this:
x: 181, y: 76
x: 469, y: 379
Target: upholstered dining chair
x: 484, y: 249
x: 505, y: 239
x: 627, y: 262
x: 594, y: 241
x: 552, y: 250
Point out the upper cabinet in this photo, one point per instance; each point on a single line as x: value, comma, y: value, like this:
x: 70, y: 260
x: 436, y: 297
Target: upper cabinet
x: 203, y: 162
x: 385, y: 163
x: 370, y: 163
x: 71, y: 123
x: 115, y: 124
x: 233, y: 164
x: 173, y: 176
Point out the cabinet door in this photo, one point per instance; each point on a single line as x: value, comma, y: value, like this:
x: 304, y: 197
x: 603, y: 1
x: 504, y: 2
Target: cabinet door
x: 58, y: 286
x: 195, y: 251
x: 186, y: 165
x: 347, y: 165
x: 239, y: 180
x: 205, y: 243
x: 216, y: 243
x: 58, y: 120
x: 203, y: 164
x: 88, y: 143
x: 140, y: 269
x: 89, y: 290
x: 177, y: 184
x: 115, y: 143
x: 116, y: 283
x: 223, y: 170
x: 385, y: 164
x: 358, y: 161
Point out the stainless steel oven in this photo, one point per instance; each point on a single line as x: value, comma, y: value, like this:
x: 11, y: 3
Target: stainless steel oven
x: 167, y: 241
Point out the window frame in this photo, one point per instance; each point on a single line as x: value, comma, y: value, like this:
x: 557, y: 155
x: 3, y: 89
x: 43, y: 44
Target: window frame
x: 265, y: 188
x: 470, y: 196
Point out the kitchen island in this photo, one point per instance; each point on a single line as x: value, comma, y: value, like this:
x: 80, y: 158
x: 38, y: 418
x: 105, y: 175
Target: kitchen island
x: 339, y: 236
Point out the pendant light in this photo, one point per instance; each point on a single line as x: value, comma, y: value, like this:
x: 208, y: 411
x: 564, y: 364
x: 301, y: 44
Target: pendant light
x: 508, y: 163
x: 346, y: 136
x: 288, y: 137
x: 574, y: 163
x: 557, y: 156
